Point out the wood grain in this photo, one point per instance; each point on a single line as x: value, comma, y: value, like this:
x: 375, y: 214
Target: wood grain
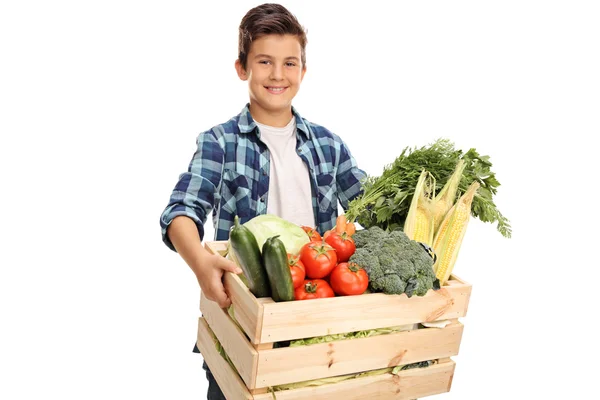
x: 409, y: 384
x: 309, y: 318
x: 297, y: 364
x: 235, y: 343
x: 230, y: 383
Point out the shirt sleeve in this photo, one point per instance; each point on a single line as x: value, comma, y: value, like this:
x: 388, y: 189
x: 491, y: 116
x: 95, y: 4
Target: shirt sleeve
x: 196, y: 191
x: 349, y: 177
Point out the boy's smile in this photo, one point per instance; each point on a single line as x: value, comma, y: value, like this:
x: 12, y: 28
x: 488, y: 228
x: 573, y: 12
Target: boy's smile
x: 275, y: 89
x: 274, y: 72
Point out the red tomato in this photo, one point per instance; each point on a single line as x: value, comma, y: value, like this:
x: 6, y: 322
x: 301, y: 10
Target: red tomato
x: 343, y: 244
x: 348, y: 279
x: 297, y: 269
x: 312, y: 233
x: 313, y: 289
x: 318, y: 258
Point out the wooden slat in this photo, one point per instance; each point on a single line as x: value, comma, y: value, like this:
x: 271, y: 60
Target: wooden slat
x: 455, y: 279
x: 235, y: 343
x: 248, y: 310
x: 218, y: 247
x: 467, y: 299
x: 409, y: 384
x: 308, y: 318
x: 263, y: 346
x: 230, y: 383
x: 297, y: 364
x: 259, y: 391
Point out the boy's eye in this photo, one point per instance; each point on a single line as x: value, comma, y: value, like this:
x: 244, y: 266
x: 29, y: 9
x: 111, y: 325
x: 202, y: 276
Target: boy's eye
x: 264, y: 62
x: 290, y: 64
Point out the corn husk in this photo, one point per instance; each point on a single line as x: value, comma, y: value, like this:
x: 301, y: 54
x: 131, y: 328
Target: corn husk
x: 419, y: 220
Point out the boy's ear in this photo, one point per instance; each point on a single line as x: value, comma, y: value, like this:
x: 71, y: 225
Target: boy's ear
x: 240, y: 70
x: 303, y: 72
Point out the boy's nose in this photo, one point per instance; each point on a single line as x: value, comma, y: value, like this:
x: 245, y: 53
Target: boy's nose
x: 277, y: 73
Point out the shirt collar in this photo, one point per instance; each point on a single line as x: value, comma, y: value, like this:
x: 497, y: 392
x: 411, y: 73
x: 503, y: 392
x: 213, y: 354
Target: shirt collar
x: 247, y: 124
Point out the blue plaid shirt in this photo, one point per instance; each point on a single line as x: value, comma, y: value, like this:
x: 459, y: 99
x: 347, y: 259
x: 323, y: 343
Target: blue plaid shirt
x: 229, y: 175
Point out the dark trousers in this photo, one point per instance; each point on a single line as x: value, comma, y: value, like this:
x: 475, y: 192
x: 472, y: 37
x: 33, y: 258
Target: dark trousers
x: 214, y: 391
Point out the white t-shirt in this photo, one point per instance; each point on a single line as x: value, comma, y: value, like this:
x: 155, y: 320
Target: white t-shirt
x: 290, y: 195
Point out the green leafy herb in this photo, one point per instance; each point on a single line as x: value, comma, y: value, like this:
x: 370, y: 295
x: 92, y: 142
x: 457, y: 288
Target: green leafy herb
x: 386, y: 199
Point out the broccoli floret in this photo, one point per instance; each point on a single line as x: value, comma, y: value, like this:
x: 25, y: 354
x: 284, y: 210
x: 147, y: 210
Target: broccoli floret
x: 395, y: 264
x: 400, y: 235
x: 364, y: 237
x: 419, y: 285
x: 390, y: 284
x: 369, y: 261
x: 406, y: 269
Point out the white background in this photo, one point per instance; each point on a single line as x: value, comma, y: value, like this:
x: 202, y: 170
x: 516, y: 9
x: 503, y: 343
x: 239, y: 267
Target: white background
x: 100, y: 105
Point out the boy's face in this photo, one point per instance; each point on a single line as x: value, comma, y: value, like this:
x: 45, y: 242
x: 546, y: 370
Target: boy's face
x: 274, y: 72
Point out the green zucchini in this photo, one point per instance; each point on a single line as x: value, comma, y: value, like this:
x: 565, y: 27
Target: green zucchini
x: 276, y: 264
x: 247, y: 254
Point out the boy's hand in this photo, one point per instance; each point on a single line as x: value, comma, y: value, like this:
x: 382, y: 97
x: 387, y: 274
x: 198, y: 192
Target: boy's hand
x: 210, y: 278
x: 208, y: 268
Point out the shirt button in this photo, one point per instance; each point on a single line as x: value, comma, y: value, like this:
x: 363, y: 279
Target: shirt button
x: 264, y: 172
x: 262, y: 199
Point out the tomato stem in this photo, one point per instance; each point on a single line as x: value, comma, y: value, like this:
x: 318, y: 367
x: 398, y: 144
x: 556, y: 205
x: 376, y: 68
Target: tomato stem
x: 322, y: 249
x: 310, y: 287
x: 354, y: 267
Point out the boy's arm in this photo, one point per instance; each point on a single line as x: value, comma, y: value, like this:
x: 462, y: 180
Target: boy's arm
x: 349, y: 177
x: 182, y: 221
x: 196, y: 191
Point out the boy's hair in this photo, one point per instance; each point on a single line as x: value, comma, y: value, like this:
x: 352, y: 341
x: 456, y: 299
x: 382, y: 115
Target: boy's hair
x: 268, y: 19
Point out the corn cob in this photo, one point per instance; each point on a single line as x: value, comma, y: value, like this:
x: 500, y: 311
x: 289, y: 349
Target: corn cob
x: 449, y: 236
x: 445, y: 198
x: 419, y: 220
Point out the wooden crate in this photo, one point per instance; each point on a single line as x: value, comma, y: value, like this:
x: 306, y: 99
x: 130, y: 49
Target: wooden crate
x: 263, y: 322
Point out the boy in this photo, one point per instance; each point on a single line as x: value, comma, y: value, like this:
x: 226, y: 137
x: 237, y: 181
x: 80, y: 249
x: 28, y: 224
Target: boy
x: 267, y: 159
